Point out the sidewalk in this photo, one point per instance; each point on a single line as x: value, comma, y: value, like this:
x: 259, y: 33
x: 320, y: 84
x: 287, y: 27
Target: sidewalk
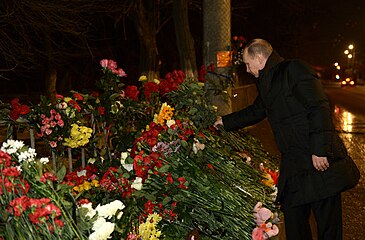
x: 262, y: 131
x: 353, y: 200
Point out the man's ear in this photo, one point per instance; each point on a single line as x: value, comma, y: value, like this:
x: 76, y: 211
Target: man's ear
x: 261, y: 59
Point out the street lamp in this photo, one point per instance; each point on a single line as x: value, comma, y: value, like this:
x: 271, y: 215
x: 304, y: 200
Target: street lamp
x: 350, y: 52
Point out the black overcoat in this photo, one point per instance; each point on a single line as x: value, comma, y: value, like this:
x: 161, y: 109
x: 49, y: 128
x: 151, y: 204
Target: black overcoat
x: 293, y: 100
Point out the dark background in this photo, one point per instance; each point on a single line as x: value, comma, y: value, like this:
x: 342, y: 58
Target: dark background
x: 316, y: 31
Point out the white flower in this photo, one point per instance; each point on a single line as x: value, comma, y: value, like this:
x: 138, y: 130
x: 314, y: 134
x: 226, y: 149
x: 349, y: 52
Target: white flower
x: 137, y: 183
x: 197, y: 146
x: 109, y: 210
x: 169, y: 123
x: 90, y: 211
x: 102, y: 229
x: 81, y: 173
x: 120, y: 215
x: 98, y: 223
x: 12, y: 146
x: 44, y: 160
x: 19, y: 168
x: 128, y: 167
x: 27, y: 156
x: 91, y: 160
x: 123, y: 157
x: 61, y: 105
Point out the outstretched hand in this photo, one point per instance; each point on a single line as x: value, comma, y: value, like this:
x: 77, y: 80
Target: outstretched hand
x: 218, y: 122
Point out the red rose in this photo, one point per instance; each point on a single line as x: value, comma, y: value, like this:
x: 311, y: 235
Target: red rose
x: 132, y: 92
x: 164, y: 87
x: 24, y: 109
x: 149, y: 88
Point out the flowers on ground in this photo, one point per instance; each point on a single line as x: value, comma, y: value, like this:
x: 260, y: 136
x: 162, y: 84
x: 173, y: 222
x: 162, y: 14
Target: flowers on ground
x: 148, y: 230
x: 79, y: 136
x: 17, y: 109
x: 163, y: 171
x: 165, y: 114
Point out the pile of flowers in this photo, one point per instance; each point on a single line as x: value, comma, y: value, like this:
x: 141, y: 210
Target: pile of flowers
x: 156, y: 168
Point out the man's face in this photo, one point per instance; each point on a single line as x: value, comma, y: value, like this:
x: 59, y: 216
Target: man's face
x: 253, y: 64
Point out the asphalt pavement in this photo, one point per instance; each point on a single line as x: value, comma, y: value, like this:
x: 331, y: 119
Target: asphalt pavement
x: 351, y: 129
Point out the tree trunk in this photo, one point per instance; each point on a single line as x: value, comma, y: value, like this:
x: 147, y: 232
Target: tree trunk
x: 185, y: 42
x: 217, y: 37
x: 145, y: 22
x: 51, y: 80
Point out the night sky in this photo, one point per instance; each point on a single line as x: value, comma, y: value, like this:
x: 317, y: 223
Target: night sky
x: 317, y: 30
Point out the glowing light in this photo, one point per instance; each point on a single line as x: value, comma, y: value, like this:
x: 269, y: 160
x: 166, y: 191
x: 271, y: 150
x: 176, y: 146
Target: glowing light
x: 347, y: 118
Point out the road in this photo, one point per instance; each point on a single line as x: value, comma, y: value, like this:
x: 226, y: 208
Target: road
x: 349, y: 120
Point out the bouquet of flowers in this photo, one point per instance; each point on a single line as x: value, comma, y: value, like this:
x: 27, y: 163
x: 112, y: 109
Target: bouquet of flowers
x: 165, y: 173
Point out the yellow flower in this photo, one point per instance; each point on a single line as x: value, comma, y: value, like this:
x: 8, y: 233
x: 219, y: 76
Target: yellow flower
x: 79, y: 136
x: 95, y: 183
x: 77, y: 189
x: 142, y: 78
x: 87, y: 185
x: 148, y: 230
x: 165, y: 114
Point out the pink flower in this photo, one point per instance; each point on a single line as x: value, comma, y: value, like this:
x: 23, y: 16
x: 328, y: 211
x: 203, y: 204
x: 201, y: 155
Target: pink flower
x: 58, y: 117
x: 61, y: 123
x: 53, y: 123
x: 104, y: 63
x: 120, y: 72
x: 48, y: 131
x: 110, y: 64
x: 45, y: 121
x: 53, y: 112
x: 53, y: 144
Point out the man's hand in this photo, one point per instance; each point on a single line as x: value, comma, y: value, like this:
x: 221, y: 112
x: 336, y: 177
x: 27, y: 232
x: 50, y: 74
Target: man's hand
x: 320, y: 163
x: 218, y: 122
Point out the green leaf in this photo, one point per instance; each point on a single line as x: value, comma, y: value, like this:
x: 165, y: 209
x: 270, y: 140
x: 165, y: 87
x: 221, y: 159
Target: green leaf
x: 61, y: 173
x: 166, y: 200
x: 164, y: 168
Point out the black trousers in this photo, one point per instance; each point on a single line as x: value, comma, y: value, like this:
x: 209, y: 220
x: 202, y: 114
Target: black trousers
x: 328, y: 216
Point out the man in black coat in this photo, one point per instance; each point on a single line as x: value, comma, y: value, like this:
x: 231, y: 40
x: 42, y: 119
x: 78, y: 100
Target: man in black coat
x: 292, y: 98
